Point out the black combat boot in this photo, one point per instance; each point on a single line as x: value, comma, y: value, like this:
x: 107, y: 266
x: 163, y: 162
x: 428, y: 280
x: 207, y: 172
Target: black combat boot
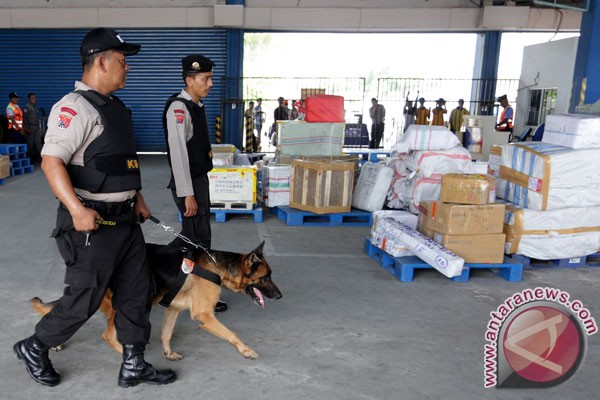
x: 34, y: 354
x: 135, y: 370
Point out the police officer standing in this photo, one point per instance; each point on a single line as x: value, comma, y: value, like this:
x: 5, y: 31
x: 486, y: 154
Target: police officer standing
x: 190, y: 152
x: 90, y: 162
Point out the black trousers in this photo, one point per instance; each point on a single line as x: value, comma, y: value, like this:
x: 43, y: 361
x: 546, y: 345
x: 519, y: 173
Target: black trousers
x: 196, y: 228
x: 114, y: 259
x: 376, y: 135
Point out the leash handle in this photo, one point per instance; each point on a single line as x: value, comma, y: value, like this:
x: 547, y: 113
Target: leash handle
x: 180, y: 236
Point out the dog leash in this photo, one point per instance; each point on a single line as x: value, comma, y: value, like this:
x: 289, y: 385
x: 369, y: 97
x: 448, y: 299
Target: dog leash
x: 180, y: 236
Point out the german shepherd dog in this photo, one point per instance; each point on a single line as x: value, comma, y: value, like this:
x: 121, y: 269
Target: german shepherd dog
x: 241, y: 273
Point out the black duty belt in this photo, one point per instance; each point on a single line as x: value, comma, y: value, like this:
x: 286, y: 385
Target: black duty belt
x: 109, y: 209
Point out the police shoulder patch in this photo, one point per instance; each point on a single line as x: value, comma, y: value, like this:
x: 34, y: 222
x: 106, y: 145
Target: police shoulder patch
x: 68, y: 110
x: 63, y: 121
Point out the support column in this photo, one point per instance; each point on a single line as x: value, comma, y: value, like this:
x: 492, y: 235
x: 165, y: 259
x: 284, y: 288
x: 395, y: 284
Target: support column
x: 234, y: 105
x: 586, y: 76
x: 487, y: 58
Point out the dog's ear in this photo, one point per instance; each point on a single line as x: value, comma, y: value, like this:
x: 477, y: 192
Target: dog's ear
x: 259, y: 250
x: 253, y: 261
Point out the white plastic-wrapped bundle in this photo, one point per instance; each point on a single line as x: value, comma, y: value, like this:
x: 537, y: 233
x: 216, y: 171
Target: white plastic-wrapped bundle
x: 372, y: 186
x: 576, y: 131
x: 276, y: 185
x: 390, y: 243
x: 425, y: 137
x: 429, y: 162
x: 543, y: 176
x: 423, y: 247
x: 553, y: 234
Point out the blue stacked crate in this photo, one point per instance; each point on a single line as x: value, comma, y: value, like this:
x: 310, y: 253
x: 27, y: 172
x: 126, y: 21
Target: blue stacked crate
x: 19, y: 162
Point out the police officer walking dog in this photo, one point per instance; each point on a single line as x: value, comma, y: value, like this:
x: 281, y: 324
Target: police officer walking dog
x: 90, y: 162
x: 190, y: 153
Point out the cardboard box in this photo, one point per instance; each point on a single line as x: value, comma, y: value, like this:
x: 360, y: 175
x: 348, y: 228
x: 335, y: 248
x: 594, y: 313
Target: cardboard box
x: 321, y: 187
x: 4, y: 167
x: 223, y: 148
x: 468, y: 189
x: 307, y: 92
x: 232, y: 184
x: 474, y: 248
x: 460, y: 219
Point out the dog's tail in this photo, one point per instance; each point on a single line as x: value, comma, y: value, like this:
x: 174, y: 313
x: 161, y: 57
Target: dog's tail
x: 40, y: 307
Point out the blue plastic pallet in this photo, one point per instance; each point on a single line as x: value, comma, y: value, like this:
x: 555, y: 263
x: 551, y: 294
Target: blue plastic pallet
x: 297, y: 217
x: 13, y: 148
x: 403, y: 268
x: 592, y: 260
x: 21, y: 162
x: 221, y: 214
x: 21, y: 170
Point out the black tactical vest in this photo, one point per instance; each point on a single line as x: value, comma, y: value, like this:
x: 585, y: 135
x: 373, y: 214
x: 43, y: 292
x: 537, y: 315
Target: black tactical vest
x: 110, y: 162
x: 198, y: 147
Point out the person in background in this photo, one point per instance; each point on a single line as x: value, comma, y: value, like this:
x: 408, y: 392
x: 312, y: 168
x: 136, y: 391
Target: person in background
x: 259, y: 117
x: 249, y: 114
x: 14, y: 114
x: 457, y: 116
x: 293, y: 111
x: 422, y: 113
x: 190, y: 152
x: 281, y: 113
x: 409, y: 114
x: 507, y: 116
x: 31, y: 127
x: 438, y: 112
x: 90, y: 161
x: 377, y: 113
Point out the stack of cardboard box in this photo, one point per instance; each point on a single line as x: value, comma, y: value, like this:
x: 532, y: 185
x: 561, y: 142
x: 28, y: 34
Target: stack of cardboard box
x: 466, y: 220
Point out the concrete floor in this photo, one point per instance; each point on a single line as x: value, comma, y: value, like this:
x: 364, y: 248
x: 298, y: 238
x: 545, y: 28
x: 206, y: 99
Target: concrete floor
x: 344, y: 329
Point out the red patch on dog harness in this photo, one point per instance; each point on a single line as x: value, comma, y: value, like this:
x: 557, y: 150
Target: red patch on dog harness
x: 68, y: 110
x: 63, y: 121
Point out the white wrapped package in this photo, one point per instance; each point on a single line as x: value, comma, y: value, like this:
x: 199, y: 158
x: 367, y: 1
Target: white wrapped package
x: 570, y: 140
x: 311, y: 138
x: 574, y: 124
x: 276, y: 185
x: 425, y: 137
x: 429, y: 162
x: 397, y: 189
x: 389, y: 243
x: 372, y: 186
x: 434, y: 254
x: 543, y: 176
x: 553, y: 234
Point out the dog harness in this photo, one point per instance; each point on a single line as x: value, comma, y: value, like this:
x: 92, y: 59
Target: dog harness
x: 198, y: 271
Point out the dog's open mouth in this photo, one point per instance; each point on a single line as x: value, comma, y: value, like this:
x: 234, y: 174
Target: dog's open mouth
x: 256, y: 295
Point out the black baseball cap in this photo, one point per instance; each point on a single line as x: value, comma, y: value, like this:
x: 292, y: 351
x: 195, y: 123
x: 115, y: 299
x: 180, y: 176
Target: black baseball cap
x: 13, y: 95
x: 196, y: 63
x: 103, y: 39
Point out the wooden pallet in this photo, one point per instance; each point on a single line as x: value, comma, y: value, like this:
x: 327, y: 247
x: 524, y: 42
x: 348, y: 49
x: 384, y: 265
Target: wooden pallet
x: 403, y: 268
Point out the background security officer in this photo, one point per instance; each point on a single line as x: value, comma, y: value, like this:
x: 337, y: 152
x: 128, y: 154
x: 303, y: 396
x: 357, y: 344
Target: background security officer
x: 90, y: 162
x: 190, y: 152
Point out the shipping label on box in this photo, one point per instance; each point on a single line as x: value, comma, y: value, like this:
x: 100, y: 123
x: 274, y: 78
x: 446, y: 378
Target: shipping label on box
x: 468, y: 189
x: 460, y: 219
x: 232, y: 184
x: 479, y: 248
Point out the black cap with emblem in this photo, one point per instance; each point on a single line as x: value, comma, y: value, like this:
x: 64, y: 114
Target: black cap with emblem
x: 103, y: 39
x: 196, y: 63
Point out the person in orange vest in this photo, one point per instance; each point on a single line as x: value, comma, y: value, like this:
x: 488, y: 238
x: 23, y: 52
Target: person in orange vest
x: 14, y: 114
x: 507, y: 116
x: 438, y: 112
x: 422, y: 113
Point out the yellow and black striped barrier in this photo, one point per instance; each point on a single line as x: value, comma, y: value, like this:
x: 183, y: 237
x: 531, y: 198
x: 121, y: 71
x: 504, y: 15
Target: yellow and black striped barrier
x: 249, y: 134
x: 218, y: 130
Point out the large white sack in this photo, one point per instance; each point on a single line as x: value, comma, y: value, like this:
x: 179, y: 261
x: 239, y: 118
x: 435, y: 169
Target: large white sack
x: 553, y: 234
x: 394, y: 199
x: 543, y: 176
x: 372, y: 186
x: 429, y: 162
x: 390, y: 243
x: 425, y: 248
x: 425, y: 137
x: 421, y: 188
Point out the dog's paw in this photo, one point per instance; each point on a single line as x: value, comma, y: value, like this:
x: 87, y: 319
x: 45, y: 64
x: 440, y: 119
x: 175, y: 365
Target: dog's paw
x: 249, y: 353
x: 173, y: 356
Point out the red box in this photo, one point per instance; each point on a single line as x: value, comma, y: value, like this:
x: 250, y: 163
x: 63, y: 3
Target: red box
x: 324, y: 108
